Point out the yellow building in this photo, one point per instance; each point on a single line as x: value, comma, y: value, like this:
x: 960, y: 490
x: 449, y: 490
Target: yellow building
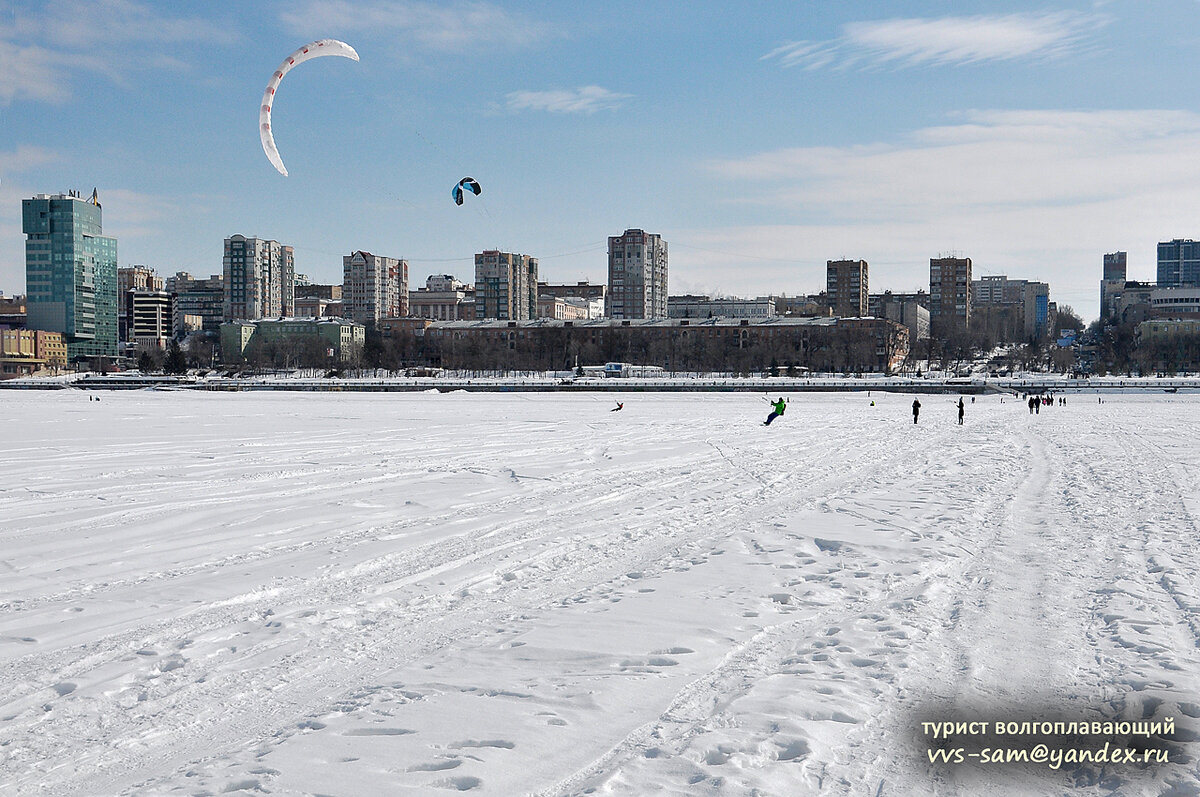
x: 52, y: 348
x: 18, y: 353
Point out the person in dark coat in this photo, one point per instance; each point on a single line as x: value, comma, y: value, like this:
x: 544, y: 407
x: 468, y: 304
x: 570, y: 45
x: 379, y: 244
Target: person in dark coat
x: 916, y: 409
x: 961, y: 410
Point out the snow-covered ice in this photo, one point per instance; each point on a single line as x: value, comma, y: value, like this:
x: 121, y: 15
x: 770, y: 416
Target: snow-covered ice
x: 509, y: 593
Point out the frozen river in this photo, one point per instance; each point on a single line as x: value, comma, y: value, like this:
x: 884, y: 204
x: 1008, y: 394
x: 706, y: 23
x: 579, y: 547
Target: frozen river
x: 506, y: 594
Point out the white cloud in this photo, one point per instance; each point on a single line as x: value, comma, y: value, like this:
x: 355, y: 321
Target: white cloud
x: 585, y: 99
x: 1037, y: 194
x: 945, y: 40
x: 39, y: 52
x: 449, y: 27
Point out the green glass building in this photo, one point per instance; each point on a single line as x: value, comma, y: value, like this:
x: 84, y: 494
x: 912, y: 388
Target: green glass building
x: 71, y: 273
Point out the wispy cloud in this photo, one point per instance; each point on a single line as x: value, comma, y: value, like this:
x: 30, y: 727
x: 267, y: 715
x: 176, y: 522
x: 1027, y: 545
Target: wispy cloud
x: 945, y: 40
x: 585, y: 99
x: 24, y: 158
x: 40, y: 51
x: 83, y: 24
x: 1041, y: 194
x: 437, y: 26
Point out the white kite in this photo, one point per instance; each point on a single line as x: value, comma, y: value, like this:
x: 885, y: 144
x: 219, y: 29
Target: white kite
x: 313, y: 50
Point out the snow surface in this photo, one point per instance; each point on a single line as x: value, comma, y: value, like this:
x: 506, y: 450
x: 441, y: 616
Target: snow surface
x: 507, y: 593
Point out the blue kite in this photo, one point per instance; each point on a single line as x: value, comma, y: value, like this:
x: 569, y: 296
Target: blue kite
x: 468, y: 183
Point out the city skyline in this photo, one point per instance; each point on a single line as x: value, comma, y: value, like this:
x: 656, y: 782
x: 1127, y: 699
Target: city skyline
x: 1032, y: 138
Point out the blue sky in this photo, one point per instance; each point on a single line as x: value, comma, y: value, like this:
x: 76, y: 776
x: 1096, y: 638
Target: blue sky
x: 1032, y: 137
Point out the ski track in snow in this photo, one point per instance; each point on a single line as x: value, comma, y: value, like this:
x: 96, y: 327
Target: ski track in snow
x: 524, y: 594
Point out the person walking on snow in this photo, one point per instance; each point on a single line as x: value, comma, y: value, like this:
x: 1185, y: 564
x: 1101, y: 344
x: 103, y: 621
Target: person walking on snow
x: 777, y: 409
x: 961, y: 408
x: 916, y: 409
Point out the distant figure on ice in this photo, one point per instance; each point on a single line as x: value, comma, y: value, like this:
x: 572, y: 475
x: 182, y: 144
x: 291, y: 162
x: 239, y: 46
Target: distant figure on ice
x: 777, y: 409
x: 916, y: 409
x: 961, y: 409
x: 1032, y: 403
x: 619, y: 406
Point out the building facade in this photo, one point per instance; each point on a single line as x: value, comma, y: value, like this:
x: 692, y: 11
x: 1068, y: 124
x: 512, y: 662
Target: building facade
x: 1174, y: 303
x: 692, y: 306
x: 846, y: 287
x: 330, y: 292
x: 950, y: 293
x: 562, y: 307
x: 1178, y: 263
x: 24, y: 352
x: 505, y: 285
x: 637, y: 276
x: 204, y: 298
x: 259, y: 278
x: 338, y: 338
x: 713, y: 344
x: 1011, y: 309
x: 443, y: 298
x: 71, y: 272
x: 1115, y: 266
x: 373, y: 287
x: 152, y: 318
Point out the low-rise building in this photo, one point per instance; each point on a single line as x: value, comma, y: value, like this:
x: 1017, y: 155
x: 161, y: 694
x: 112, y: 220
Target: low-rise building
x: 24, y: 352
x: 340, y: 338
x: 693, y: 306
x: 563, y: 308
x: 710, y: 344
x: 1167, y: 329
x: 443, y: 298
x: 1174, y: 303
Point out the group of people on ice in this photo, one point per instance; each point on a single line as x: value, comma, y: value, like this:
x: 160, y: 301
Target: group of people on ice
x: 1037, y: 402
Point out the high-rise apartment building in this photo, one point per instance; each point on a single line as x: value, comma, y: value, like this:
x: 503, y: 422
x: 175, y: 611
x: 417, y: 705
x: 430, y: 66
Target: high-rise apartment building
x: 1113, y: 283
x: 374, y: 287
x: 505, y: 285
x: 949, y: 293
x: 1115, y: 265
x: 1178, y: 263
x: 259, y: 277
x: 846, y: 287
x: 71, y: 272
x: 637, y: 275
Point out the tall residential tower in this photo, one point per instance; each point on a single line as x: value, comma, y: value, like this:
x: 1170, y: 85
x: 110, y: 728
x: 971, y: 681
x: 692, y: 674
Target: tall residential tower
x: 846, y: 287
x: 637, y: 275
x: 505, y: 285
x: 259, y: 279
x: 949, y: 293
x: 374, y: 287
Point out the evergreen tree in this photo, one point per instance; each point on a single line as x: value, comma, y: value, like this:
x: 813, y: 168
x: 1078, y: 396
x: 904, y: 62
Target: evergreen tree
x: 176, y: 363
